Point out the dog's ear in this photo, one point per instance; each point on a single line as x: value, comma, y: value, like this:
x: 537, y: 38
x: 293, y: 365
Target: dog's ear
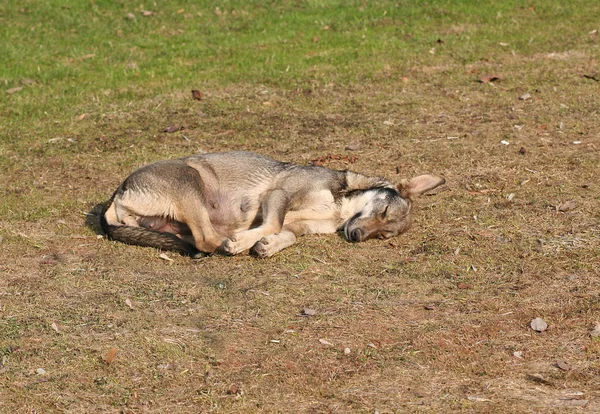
x: 418, y: 185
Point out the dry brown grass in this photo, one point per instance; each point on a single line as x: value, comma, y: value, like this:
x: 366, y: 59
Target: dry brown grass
x: 432, y: 319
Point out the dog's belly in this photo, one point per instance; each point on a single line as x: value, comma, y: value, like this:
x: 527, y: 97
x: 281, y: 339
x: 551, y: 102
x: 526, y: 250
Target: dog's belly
x: 230, y: 215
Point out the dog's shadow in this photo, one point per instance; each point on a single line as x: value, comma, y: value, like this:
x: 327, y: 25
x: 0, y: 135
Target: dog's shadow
x: 92, y: 219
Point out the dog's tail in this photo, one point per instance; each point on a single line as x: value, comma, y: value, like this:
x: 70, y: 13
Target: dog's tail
x: 141, y: 236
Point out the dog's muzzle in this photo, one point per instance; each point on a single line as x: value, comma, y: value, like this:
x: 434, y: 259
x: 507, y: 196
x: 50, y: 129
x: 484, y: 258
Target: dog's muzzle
x: 356, y: 235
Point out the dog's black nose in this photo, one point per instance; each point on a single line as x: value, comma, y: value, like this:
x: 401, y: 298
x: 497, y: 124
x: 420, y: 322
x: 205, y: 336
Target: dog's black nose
x: 356, y: 235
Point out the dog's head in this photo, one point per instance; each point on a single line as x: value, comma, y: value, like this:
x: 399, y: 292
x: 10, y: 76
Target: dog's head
x: 388, y: 211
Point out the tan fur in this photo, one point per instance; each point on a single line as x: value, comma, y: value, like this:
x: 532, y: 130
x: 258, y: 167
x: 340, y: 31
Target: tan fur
x: 232, y: 202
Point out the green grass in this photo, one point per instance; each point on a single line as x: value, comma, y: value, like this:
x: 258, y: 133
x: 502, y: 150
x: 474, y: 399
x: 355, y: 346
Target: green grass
x: 85, y: 55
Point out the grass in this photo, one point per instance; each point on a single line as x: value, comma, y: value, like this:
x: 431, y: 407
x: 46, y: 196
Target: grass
x: 434, y: 320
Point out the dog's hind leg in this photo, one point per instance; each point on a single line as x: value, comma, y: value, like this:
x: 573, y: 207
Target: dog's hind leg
x: 192, y: 211
x: 274, y: 208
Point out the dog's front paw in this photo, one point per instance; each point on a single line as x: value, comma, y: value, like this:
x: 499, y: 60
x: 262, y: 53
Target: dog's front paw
x: 261, y: 248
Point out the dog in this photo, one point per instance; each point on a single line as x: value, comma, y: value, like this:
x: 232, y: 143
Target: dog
x: 231, y: 202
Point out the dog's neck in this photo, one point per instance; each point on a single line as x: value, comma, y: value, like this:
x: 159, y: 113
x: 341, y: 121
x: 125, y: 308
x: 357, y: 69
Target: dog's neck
x: 360, y: 189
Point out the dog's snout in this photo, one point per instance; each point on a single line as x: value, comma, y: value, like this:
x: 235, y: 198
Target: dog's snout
x: 356, y: 235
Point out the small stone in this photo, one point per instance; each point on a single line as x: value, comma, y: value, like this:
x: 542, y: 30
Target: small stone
x: 40, y: 371
x: 538, y: 325
x: 347, y: 351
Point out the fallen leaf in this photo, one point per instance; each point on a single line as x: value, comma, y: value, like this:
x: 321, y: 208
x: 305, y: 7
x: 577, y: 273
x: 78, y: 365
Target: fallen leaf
x: 55, y: 327
x: 504, y: 142
x: 463, y: 285
x: 88, y: 56
x: 522, y: 150
x: 130, y: 16
x: 233, y: 389
x: 566, y: 206
x: 538, y: 324
x: 147, y: 13
x: 560, y: 364
x: 347, y: 351
x: 431, y: 306
x: 309, y: 312
x: 165, y: 257
x: 40, y: 371
x: 525, y: 97
x: 518, y: 354
x: 110, y: 355
x: 13, y: 90
x: 81, y: 117
x: 267, y: 103
x: 325, y: 342
x: 128, y: 303
x: 172, y: 128
x: 196, y: 94
x: 315, y: 39
x: 489, y: 78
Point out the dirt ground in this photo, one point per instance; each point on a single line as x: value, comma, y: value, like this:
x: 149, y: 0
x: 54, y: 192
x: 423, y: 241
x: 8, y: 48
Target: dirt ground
x: 435, y: 320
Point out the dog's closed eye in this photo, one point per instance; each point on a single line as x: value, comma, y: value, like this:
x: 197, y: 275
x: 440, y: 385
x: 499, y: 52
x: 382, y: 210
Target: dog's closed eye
x: 384, y: 213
